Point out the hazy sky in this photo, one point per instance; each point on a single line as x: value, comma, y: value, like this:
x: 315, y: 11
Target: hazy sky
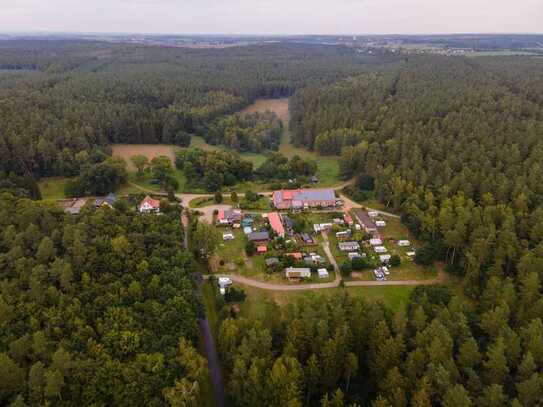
x: 273, y: 16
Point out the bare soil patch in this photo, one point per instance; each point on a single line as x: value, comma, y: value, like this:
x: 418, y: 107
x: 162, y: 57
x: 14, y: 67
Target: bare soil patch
x: 151, y: 151
x: 278, y: 106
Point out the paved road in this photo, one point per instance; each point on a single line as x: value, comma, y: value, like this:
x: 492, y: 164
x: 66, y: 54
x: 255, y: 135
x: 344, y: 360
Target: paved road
x: 213, y: 363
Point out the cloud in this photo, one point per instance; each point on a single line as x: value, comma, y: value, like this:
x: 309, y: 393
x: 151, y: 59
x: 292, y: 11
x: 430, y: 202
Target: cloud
x: 273, y: 16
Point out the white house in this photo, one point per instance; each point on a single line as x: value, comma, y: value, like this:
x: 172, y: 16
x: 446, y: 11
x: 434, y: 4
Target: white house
x: 348, y: 246
x: 373, y: 214
x: 297, y: 272
x: 323, y: 273
x: 355, y: 255
x: 380, y: 223
x: 385, y: 258
x: 380, y: 249
x: 411, y: 254
x: 149, y: 205
x: 376, y: 242
x: 224, y: 283
x: 404, y: 243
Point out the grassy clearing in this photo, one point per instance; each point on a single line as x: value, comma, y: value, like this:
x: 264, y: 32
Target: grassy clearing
x: 52, y: 188
x: 126, y: 151
x: 256, y: 158
x: 396, y: 298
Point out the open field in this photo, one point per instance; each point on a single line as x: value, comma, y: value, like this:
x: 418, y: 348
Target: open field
x: 278, y: 106
x: 396, y: 298
x: 52, y: 188
x: 151, y: 151
x: 256, y: 158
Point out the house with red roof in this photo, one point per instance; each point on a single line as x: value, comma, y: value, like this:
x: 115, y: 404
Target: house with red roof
x: 304, y: 198
x: 228, y: 216
x: 276, y: 223
x: 149, y: 205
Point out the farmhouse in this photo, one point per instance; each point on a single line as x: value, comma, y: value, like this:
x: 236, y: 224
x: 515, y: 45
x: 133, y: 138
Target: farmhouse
x: 258, y: 237
x: 304, y: 198
x: 149, y: 205
x: 348, y: 246
x: 366, y: 221
x: 297, y: 273
x: 276, y: 223
x: 228, y: 216
x: 72, y: 206
x: 105, y: 201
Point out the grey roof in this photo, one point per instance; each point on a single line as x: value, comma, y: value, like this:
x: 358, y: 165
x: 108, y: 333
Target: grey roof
x: 349, y: 244
x: 258, y: 236
x: 315, y: 195
x: 271, y: 261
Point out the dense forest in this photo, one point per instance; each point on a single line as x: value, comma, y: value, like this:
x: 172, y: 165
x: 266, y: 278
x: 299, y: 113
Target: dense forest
x: 455, y: 145
x: 101, y: 308
x: 62, y: 98
x: 95, y: 310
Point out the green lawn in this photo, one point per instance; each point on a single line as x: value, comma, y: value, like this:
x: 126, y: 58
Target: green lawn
x: 52, y: 188
x: 396, y: 298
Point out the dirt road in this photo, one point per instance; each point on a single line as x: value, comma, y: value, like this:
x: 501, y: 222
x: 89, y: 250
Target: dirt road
x: 440, y: 279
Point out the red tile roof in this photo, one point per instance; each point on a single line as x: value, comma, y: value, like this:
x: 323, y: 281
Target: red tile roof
x: 276, y: 223
x: 297, y: 255
x: 154, y: 203
x: 262, y: 249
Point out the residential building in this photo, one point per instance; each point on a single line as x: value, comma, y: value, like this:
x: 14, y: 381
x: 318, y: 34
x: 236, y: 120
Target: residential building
x: 149, y: 205
x: 73, y: 206
x: 276, y: 224
x: 376, y: 242
x: 380, y: 223
x: 385, y: 258
x: 258, y: 237
x: 348, y: 246
x: 297, y: 272
x: 365, y: 221
x: 380, y: 249
x: 304, y: 198
x: 262, y: 249
x: 323, y: 273
x: 346, y: 234
x: 295, y: 255
x: 404, y: 243
x: 105, y: 201
x: 228, y: 216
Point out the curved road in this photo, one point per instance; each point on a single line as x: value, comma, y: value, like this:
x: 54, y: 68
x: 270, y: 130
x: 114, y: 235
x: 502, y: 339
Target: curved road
x: 441, y: 278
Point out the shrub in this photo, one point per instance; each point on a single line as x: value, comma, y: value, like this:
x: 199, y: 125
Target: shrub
x: 235, y: 295
x: 395, y: 260
x: 250, y: 248
x: 346, y: 269
x: 359, y: 263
